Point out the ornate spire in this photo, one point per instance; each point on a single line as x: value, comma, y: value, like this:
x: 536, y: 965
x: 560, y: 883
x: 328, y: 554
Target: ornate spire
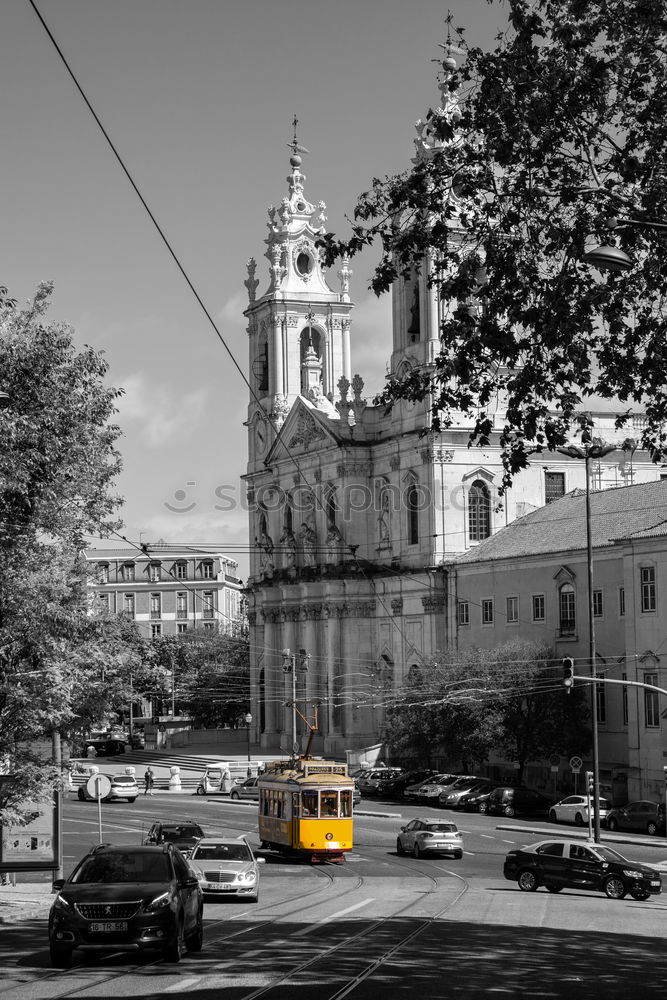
x: 428, y: 140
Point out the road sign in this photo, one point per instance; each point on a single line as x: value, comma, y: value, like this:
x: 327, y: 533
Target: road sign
x: 98, y: 785
x: 575, y: 764
x: 554, y: 760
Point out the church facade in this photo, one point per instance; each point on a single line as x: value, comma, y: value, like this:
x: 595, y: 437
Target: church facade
x: 355, y: 512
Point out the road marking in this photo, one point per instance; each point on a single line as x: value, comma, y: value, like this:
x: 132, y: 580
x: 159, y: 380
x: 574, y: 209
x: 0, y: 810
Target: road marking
x: 333, y: 916
x: 182, y: 984
x: 508, y: 842
x: 488, y: 836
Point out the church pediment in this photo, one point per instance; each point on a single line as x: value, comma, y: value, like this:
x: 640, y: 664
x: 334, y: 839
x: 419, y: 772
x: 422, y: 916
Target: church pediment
x: 305, y: 430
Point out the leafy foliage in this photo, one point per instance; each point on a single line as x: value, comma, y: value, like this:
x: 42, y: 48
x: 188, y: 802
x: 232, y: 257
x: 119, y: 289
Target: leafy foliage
x: 508, y: 701
x: 214, y: 677
x: 559, y: 136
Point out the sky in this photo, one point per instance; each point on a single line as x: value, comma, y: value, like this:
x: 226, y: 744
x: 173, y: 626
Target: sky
x: 198, y: 96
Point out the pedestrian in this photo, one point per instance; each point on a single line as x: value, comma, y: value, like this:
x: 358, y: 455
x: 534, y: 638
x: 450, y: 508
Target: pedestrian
x: 149, y: 777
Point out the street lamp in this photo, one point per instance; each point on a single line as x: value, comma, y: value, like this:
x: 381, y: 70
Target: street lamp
x: 612, y: 258
x: 248, y: 720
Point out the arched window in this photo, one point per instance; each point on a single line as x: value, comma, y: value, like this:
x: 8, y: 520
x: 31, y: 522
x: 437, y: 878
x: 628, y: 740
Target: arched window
x: 567, y: 614
x: 479, y: 511
x: 412, y: 505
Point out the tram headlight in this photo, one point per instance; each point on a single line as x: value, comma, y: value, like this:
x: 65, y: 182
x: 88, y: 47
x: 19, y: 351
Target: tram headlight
x: 328, y: 836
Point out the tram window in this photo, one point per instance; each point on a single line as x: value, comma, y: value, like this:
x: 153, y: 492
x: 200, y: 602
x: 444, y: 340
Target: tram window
x: 279, y: 805
x: 329, y: 804
x: 309, y: 803
x: 346, y: 804
x: 295, y: 804
x: 265, y: 804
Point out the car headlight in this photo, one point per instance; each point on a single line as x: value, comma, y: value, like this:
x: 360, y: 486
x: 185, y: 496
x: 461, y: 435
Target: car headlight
x: 246, y: 876
x: 159, y: 903
x: 198, y: 873
x: 60, y: 905
x: 631, y: 873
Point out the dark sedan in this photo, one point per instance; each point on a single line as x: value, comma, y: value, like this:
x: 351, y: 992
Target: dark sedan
x: 642, y: 817
x: 562, y: 864
x: 516, y: 800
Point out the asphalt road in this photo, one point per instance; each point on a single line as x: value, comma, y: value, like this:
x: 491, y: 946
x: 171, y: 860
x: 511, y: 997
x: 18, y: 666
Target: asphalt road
x: 378, y: 926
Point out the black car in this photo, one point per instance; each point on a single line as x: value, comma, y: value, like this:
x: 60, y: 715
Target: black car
x: 105, y: 748
x: 561, y: 864
x: 516, y: 800
x: 643, y: 816
x: 121, y: 898
x: 184, y: 835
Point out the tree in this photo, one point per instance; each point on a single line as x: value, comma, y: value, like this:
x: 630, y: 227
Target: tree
x: 213, y: 677
x: 508, y: 700
x: 542, y: 148
x: 58, y: 461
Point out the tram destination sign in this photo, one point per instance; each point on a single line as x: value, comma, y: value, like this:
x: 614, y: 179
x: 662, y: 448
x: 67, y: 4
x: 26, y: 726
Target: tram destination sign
x: 326, y: 769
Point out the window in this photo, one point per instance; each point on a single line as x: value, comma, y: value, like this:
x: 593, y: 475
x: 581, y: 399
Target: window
x: 554, y: 486
x: 538, y: 607
x: 103, y: 573
x: 181, y: 628
x: 180, y: 570
x: 487, y: 611
x: 621, y: 602
x: 103, y: 601
x: 208, y: 611
x: 647, y: 576
x: 156, y: 606
x: 512, y: 610
x: 479, y: 512
x: 597, y: 604
x: 155, y: 572
x: 128, y: 604
x: 463, y: 612
x: 651, y: 705
x: 209, y: 625
x: 207, y: 570
x: 602, y: 702
x: 181, y: 604
x: 156, y: 630
x: 566, y: 611
x: 127, y: 572
x: 625, y: 700
x: 412, y: 503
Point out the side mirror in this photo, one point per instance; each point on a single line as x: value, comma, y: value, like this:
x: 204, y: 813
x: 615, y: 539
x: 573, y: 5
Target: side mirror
x: 260, y: 861
x: 57, y: 885
x: 403, y: 829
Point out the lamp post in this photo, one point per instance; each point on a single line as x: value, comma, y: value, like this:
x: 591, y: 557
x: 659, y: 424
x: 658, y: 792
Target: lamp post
x: 248, y: 720
x: 289, y: 666
x: 596, y: 449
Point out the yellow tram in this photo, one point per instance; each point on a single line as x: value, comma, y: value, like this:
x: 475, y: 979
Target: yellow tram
x: 305, y: 808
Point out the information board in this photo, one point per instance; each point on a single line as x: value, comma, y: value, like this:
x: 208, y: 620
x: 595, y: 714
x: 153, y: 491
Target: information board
x: 33, y: 846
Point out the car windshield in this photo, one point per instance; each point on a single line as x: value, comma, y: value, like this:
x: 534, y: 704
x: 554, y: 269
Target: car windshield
x: 123, y: 868
x: 222, y: 852
x: 122, y: 779
x: 184, y: 832
x: 441, y: 827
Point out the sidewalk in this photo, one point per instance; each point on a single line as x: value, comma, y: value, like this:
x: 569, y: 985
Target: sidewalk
x: 25, y: 900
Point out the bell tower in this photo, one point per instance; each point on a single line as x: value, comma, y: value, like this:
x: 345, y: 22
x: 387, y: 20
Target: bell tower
x: 299, y: 329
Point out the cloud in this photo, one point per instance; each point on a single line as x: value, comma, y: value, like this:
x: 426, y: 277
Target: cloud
x: 371, y: 341
x: 164, y: 414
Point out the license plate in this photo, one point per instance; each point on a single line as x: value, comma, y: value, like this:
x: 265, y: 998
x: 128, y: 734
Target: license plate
x: 224, y: 886
x: 655, y: 883
x: 108, y: 927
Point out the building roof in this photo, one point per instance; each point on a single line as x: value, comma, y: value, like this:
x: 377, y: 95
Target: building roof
x: 155, y: 551
x: 621, y: 513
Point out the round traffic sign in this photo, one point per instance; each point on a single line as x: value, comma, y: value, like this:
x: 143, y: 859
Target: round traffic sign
x: 98, y: 785
x: 575, y: 764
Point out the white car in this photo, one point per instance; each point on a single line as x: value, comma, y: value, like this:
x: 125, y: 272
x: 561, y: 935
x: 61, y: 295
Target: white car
x: 430, y: 836
x: 574, y: 809
x: 247, y: 790
x: 226, y: 867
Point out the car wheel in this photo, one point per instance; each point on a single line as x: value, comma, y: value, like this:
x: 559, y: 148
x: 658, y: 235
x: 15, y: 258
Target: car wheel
x: 415, y: 850
x: 234, y: 795
x: 527, y: 880
x: 652, y: 828
x: 553, y: 818
x: 614, y: 887
x: 612, y: 824
x: 483, y: 807
x: 639, y: 894
x: 508, y: 811
x: 173, y: 950
x: 200, y: 790
x: 554, y: 888
x: 195, y: 941
x: 81, y: 795
x: 131, y: 800
x: 458, y: 855
x: 578, y: 820
x: 399, y: 846
x: 61, y: 958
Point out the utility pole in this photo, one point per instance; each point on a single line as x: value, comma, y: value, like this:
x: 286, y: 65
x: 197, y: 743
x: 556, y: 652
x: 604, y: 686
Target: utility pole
x: 289, y: 666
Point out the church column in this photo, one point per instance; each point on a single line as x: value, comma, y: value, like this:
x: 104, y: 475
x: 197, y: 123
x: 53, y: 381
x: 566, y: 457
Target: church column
x: 432, y: 304
x: 271, y: 690
x: 347, y: 360
x: 278, y: 379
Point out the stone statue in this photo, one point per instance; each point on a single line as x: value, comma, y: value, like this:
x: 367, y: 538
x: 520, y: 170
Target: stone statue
x: 309, y: 544
x: 335, y: 544
x: 288, y: 543
x: 383, y: 520
x: 266, y: 553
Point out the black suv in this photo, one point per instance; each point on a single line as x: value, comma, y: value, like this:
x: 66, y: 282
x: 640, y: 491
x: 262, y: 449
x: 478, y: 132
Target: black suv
x: 184, y: 835
x: 127, y: 898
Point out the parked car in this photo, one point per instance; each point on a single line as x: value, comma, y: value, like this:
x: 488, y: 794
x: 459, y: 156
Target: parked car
x: 106, y: 747
x: 428, y: 791
x: 642, y: 816
x: 513, y: 800
x: 450, y: 798
x: 245, y: 790
x: 371, y: 782
x: 226, y: 867
x: 430, y: 836
x: 123, y: 786
x: 476, y: 801
x: 395, y: 787
x: 574, y: 809
x: 562, y: 864
x: 183, y: 835
x: 120, y: 898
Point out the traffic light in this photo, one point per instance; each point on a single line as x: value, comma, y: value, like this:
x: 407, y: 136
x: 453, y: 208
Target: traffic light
x: 568, y: 673
x: 590, y: 784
